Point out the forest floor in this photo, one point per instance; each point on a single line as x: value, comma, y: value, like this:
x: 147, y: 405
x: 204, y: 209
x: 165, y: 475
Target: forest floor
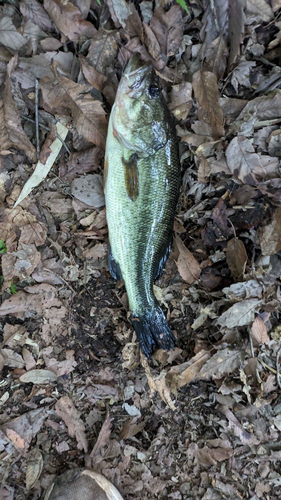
x: 203, y: 421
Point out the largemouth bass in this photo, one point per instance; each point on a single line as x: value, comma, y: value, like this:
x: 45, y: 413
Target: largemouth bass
x: 142, y: 177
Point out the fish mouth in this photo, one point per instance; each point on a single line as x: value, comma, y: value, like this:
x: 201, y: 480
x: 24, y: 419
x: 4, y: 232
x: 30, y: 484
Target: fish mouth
x: 137, y: 67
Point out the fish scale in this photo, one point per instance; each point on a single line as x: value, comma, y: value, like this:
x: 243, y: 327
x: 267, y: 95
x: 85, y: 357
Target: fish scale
x: 140, y: 222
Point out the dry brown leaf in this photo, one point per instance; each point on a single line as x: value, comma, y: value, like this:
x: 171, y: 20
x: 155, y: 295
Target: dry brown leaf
x: 103, y: 49
x: 236, y: 29
x: 38, y: 377
x: 206, y: 92
x: 94, y: 77
x: 89, y: 190
x: 270, y: 235
x: 215, y: 59
x: 69, y: 20
x: 242, y: 160
x: 35, y: 298
x: 21, y: 430
x: 158, y: 384
x: 103, y: 439
x: 130, y: 429
x: 261, y: 8
x: 66, y: 410
x: 238, y: 430
x: 12, y: 359
x: 15, y: 132
x: 81, y: 163
x: 119, y: 10
x: 241, y: 74
x: 264, y: 107
x: 31, y: 9
x: 239, y: 314
x: 259, y: 332
x: 180, y: 375
x: 29, y: 360
x: 9, y: 35
x: 164, y: 34
x: 34, y: 467
x: 180, y: 100
x: 220, y: 364
x: 210, y: 456
x: 236, y: 258
x: 89, y: 117
x: 188, y: 266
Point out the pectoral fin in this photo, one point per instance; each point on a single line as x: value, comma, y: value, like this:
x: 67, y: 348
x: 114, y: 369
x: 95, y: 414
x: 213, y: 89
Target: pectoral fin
x: 162, y: 259
x: 113, y: 266
x: 131, y: 174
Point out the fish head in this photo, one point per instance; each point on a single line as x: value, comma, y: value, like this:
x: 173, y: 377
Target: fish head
x: 140, y: 115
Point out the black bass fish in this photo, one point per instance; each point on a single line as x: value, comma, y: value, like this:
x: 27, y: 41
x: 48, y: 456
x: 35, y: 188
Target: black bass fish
x: 142, y: 178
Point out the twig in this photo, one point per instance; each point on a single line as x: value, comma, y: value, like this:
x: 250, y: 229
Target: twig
x: 48, y: 129
x: 36, y: 120
x: 277, y: 368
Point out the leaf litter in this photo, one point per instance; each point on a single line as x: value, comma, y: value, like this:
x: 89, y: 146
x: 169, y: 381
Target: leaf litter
x: 63, y: 320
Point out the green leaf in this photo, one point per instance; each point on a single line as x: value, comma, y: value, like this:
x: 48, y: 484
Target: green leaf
x: 3, y: 248
x: 182, y: 3
x: 13, y: 288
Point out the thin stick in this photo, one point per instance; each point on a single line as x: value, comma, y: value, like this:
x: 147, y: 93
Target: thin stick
x: 47, y: 128
x: 277, y: 368
x: 36, y: 120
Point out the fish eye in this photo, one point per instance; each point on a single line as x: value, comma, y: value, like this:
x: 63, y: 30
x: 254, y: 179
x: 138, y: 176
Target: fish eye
x: 154, y: 90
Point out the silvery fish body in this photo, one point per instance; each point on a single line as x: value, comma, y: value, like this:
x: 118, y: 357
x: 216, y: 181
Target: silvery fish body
x: 142, y: 176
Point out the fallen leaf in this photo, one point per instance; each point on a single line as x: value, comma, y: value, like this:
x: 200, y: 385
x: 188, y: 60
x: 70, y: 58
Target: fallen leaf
x: 69, y: 20
x: 188, y: 266
x: 183, y: 374
x: 238, y: 430
x: 259, y: 332
x: 89, y: 117
x: 270, y: 235
x: 206, y: 92
x: 94, y: 77
x: 180, y: 100
x: 89, y: 189
x: 239, y: 314
x: 102, y: 440
x: 34, y: 467
x: 42, y: 169
x: 241, y: 74
x: 236, y: 29
x: 243, y: 290
x: 261, y: 8
x: 103, y: 49
x: 215, y: 58
x: 21, y: 430
x: 236, y: 258
x: 210, y: 456
x: 16, y: 135
x: 66, y: 410
x: 12, y: 359
x: 35, y: 299
x: 9, y: 35
x: 38, y: 377
x: 29, y: 360
x: 130, y: 429
x: 31, y: 9
x: 158, y: 384
x: 81, y: 163
x: 242, y: 160
x: 220, y: 364
x: 120, y: 11
x: 264, y: 107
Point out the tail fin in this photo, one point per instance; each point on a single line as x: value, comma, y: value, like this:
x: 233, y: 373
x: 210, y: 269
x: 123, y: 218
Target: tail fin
x: 153, y: 331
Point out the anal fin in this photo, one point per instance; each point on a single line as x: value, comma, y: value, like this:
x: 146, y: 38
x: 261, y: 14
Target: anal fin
x: 113, y: 266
